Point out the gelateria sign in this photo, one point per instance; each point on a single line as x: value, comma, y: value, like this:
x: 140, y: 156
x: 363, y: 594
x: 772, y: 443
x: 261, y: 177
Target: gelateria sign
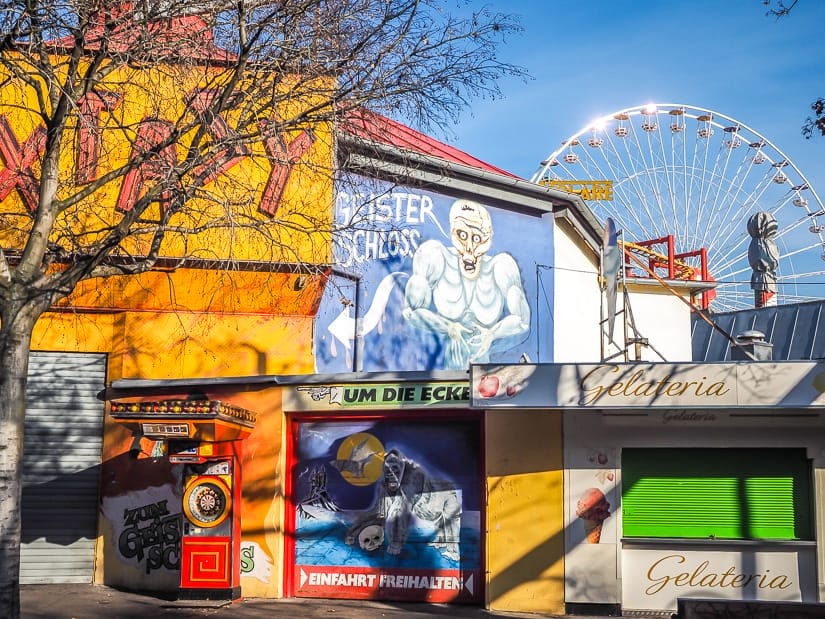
x: 649, y: 385
x: 654, y: 579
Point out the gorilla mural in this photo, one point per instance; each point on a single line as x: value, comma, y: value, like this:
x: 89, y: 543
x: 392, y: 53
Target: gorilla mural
x: 407, y: 490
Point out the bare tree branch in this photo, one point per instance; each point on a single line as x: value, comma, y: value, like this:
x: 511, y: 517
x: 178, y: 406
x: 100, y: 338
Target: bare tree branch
x: 157, y: 134
x: 781, y: 9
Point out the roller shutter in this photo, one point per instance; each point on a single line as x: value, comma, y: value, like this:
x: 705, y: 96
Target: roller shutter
x: 717, y: 493
x: 61, y: 467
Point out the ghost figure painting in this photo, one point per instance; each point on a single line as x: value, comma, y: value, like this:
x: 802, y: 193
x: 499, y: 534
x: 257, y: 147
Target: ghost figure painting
x: 474, y: 300
x: 408, y: 491
x: 381, y: 499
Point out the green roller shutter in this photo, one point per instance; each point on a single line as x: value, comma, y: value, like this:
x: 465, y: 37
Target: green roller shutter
x: 716, y: 493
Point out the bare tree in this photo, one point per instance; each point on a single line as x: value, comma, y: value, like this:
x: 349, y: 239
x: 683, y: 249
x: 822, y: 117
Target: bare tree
x: 779, y: 8
x: 135, y: 136
x: 815, y: 123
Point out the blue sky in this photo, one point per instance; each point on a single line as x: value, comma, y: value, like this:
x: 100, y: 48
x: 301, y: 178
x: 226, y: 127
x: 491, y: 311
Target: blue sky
x: 589, y: 58
x: 592, y: 58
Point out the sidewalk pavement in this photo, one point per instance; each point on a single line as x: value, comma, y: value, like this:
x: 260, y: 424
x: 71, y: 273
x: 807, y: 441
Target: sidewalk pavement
x: 85, y: 601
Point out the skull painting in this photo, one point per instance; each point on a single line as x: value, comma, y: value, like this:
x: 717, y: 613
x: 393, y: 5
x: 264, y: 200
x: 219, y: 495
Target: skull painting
x: 472, y: 234
x: 371, y: 537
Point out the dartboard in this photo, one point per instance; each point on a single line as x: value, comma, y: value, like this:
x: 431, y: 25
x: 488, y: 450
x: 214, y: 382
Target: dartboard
x: 206, y: 502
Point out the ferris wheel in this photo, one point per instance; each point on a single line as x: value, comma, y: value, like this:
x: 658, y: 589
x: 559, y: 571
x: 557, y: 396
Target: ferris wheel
x: 697, y: 176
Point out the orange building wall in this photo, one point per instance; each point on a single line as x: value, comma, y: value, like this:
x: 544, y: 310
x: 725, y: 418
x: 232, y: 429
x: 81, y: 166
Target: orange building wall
x: 180, y: 325
x: 190, y: 323
x: 263, y: 507
x: 178, y: 345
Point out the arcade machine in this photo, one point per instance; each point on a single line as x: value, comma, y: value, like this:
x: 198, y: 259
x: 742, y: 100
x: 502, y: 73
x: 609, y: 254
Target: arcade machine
x: 206, y: 437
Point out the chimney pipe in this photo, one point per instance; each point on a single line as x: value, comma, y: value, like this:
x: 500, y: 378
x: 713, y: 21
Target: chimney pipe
x: 752, y: 342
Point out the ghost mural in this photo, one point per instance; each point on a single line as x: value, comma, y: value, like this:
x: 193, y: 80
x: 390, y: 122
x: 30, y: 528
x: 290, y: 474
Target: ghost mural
x: 471, y: 298
x: 408, y: 490
x: 429, y: 282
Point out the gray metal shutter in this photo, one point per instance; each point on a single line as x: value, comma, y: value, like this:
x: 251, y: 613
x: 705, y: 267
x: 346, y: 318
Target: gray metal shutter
x: 61, y: 467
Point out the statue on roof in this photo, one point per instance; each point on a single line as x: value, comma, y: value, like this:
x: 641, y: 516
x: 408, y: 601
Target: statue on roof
x: 763, y: 256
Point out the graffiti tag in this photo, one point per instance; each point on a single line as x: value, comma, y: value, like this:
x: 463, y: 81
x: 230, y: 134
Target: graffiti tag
x: 153, y: 534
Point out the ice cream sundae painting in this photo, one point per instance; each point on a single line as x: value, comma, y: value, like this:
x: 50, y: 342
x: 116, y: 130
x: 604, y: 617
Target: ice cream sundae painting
x: 593, y: 509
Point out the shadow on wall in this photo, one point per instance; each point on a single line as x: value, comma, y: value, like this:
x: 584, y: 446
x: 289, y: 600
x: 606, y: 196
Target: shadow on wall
x: 53, y: 512
x: 61, y: 451
x: 525, y: 464
x: 49, y: 512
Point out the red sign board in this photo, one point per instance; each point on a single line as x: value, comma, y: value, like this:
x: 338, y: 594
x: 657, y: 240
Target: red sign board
x: 413, y: 585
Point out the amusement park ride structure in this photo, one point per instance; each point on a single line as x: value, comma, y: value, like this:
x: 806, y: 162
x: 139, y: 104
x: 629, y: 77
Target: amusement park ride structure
x: 681, y: 183
x: 643, y: 260
x: 621, y: 261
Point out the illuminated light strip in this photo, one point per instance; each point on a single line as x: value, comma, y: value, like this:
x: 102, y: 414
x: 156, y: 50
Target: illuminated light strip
x: 210, y: 408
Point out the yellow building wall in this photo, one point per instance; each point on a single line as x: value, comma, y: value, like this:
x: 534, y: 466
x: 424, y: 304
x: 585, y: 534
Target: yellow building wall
x: 298, y: 201
x: 525, y: 519
x: 226, y: 316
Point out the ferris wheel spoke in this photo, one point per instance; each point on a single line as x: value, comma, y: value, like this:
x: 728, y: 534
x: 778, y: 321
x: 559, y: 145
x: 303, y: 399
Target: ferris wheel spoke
x: 722, y: 221
x: 665, y: 179
x: 799, y: 250
x: 686, y: 178
x: 640, y: 183
x: 656, y: 179
x: 627, y: 191
x: 801, y: 277
x: 726, y: 209
x: 730, y: 298
x: 699, y: 176
x: 718, y: 171
x: 704, y: 180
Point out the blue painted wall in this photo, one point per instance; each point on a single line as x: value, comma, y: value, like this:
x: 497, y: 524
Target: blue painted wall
x: 438, y: 282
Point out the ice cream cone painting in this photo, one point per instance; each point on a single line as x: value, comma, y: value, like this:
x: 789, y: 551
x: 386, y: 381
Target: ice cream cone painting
x: 592, y: 530
x: 593, y: 509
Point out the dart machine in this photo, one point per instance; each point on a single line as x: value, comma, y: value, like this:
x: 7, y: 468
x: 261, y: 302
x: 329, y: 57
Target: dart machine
x: 206, y: 437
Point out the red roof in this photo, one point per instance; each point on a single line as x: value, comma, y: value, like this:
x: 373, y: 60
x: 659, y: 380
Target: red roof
x: 368, y: 125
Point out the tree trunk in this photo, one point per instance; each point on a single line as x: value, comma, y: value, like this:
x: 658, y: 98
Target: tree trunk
x: 15, y: 343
